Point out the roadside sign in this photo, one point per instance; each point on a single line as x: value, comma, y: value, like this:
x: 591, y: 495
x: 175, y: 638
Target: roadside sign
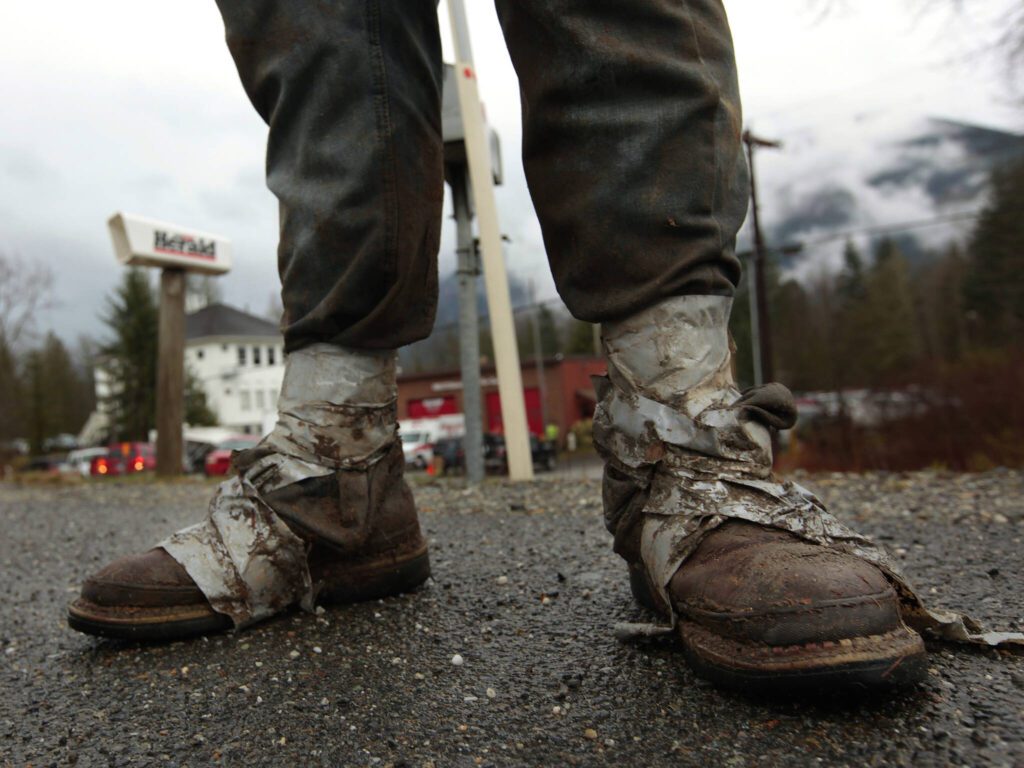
x: 139, y: 241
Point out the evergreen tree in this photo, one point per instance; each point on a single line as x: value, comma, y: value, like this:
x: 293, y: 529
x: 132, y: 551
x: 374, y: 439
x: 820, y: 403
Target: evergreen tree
x: 51, y: 398
x: 61, y: 388
x: 11, y: 414
x: 891, y: 343
x: 131, y: 357
x: 35, y: 401
x: 550, y: 343
x: 579, y: 338
x: 939, y: 300
x: 197, y: 411
x: 850, y: 282
x: 994, y: 285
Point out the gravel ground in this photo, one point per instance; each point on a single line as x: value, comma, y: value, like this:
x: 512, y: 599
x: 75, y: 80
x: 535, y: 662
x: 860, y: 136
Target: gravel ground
x: 525, y: 590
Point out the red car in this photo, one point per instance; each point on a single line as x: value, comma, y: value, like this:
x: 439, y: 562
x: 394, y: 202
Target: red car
x: 124, y: 459
x: 218, y: 461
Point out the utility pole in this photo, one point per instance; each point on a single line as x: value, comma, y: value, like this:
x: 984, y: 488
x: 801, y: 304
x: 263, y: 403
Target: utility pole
x: 170, y: 378
x: 467, y: 269
x: 503, y: 331
x: 538, y: 356
x: 760, y: 323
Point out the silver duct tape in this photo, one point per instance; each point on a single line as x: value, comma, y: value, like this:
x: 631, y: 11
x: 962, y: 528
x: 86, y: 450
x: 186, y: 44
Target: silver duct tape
x: 330, y: 374
x: 336, y: 436
x: 676, y: 366
x: 337, y: 407
x: 336, y: 411
x: 243, y: 558
x: 672, y: 406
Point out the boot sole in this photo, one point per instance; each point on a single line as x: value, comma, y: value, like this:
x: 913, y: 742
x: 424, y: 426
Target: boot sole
x: 875, y: 662
x: 891, y: 660
x: 339, y: 584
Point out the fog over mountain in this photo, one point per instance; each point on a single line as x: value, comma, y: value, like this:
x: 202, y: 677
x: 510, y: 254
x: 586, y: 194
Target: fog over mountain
x: 872, y: 171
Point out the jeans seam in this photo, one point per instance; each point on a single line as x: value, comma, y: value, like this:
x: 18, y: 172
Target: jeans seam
x: 384, y: 136
x: 714, y: 132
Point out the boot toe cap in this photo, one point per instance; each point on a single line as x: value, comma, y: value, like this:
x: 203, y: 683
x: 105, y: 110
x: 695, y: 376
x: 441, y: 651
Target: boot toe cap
x: 779, y: 590
x: 149, y: 579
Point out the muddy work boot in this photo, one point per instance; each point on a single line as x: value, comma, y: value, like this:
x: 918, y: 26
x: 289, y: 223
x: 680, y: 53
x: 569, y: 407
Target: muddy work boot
x: 319, y: 512
x: 763, y: 586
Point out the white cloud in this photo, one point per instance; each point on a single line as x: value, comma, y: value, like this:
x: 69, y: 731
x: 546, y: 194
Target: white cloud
x: 136, y: 106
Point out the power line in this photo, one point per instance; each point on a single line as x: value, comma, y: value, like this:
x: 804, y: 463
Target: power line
x: 879, y: 229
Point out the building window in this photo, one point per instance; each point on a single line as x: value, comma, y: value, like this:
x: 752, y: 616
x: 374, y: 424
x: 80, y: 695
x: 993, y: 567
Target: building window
x: 244, y: 399
x: 223, y: 347
x: 271, y: 357
x: 199, y: 354
x: 260, y: 402
x: 255, y: 355
x: 273, y: 398
x: 241, y: 355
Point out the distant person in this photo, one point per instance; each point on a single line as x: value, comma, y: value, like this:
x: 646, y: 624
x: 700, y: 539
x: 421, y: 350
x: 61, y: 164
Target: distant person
x: 551, y: 433
x: 632, y: 150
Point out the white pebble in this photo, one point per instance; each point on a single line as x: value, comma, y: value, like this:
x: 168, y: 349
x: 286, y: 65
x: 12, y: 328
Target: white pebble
x: 294, y: 654
x: 491, y: 693
x: 503, y: 580
x: 317, y: 649
x: 457, y: 660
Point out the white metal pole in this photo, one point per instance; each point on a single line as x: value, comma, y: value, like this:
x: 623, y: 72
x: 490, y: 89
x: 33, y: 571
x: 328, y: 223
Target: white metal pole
x: 503, y: 331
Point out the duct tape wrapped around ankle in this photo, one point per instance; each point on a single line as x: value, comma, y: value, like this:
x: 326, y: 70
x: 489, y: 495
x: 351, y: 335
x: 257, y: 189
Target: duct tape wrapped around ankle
x: 337, y: 407
x: 336, y: 411
x: 702, y: 456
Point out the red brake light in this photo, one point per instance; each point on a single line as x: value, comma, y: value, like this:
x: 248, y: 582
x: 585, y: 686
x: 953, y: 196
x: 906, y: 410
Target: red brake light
x: 139, y: 464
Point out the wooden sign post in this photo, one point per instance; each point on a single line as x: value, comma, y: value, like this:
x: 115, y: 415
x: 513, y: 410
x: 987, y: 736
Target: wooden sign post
x: 176, y: 250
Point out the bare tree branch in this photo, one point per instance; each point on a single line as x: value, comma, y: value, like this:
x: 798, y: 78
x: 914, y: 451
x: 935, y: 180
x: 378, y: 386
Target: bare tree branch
x: 26, y: 289
x: 1005, y: 43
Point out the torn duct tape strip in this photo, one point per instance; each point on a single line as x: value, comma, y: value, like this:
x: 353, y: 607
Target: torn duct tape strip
x: 243, y: 557
x: 691, y: 494
x: 670, y: 414
x: 337, y: 411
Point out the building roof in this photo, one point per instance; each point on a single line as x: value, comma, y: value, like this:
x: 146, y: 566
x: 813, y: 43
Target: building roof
x: 222, y: 320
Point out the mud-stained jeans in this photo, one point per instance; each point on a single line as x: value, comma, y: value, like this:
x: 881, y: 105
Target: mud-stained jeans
x: 631, y: 145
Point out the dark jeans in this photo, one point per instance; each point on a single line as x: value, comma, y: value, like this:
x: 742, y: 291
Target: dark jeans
x: 631, y: 145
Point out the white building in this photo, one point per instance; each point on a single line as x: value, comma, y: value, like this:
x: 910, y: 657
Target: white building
x: 238, y: 359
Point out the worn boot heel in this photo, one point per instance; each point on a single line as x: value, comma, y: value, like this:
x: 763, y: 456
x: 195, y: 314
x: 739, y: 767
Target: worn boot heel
x: 340, y: 582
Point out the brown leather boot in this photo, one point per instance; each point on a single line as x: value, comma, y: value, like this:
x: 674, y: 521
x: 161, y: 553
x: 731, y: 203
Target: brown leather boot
x: 364, y: 543
x: 761, y: 608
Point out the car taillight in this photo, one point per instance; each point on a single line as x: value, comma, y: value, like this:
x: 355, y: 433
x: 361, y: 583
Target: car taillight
x: 101, y: 467
x: 139, y: 464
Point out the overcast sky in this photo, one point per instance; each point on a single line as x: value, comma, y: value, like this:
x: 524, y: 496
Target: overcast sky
x: 136, y: 106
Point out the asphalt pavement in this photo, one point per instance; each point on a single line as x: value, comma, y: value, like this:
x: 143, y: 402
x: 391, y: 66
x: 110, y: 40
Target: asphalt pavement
x: 506, y: 657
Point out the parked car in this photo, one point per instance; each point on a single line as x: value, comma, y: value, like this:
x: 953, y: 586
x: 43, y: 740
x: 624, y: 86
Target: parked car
x: 124, y: 459
x: 417, y: 449
x: 80, y: 460
x: 218, y: 461
x: 453, y: 454
x: 43, y: 465
x: 61, y: 442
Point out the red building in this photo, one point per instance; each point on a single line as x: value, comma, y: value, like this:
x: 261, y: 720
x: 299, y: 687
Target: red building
x: 568, y: 394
